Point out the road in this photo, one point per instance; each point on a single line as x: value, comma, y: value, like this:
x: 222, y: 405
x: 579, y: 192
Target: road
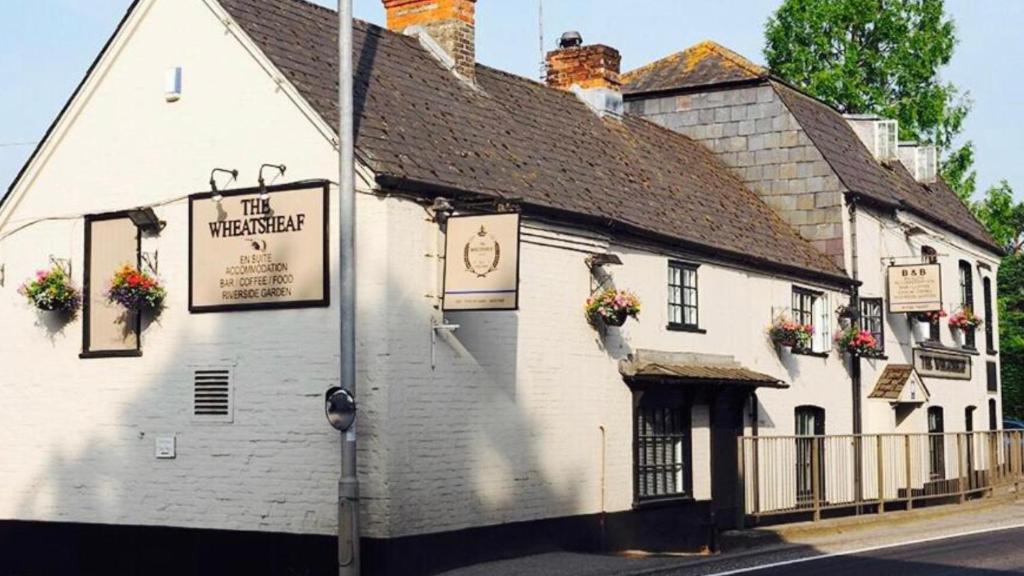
x: 992, y: 553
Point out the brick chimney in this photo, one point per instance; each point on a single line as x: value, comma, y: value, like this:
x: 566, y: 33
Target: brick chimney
x: 451, y: 24
x: 591, y: 72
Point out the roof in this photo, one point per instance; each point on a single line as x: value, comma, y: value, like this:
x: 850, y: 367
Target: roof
x: 699, y: 65
x: 891, y: 383
x: 417, y: 125
x: 889, y: 184
x: 693, y: 368
x: 709, y: 64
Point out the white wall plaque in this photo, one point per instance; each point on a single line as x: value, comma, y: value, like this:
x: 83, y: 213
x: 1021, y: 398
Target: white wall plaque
x: 481, y: 270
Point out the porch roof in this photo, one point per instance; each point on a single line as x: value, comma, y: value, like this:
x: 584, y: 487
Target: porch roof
x: 695, y: 368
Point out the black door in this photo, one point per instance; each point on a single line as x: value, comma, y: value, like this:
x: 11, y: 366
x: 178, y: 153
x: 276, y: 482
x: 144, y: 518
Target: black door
x: 726, y: 428
x: 810, y: 422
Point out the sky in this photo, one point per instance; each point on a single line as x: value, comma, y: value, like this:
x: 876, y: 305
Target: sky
x: 47, y: 45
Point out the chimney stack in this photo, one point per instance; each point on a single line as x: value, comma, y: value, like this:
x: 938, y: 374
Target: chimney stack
x: 574, y: 64
x: 590, y: 72
x: 451, y: 24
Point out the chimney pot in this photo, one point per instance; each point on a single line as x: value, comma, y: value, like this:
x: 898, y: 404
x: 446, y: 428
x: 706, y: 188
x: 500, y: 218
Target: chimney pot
x: 570, y: 39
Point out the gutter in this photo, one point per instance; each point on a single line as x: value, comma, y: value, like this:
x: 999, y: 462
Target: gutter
x: 759, y: 264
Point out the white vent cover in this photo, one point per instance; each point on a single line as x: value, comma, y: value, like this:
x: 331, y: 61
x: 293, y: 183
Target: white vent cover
x: 172, y: 84
x: 212, y: 396
x: 886, y: 143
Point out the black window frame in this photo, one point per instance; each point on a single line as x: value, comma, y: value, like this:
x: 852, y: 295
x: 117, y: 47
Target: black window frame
x: 681, y: 305
x: 993, y: 415
x: 930, y: 256
x: 966, y: 280
x: 87, y: 352
x: 992, y: 377
x: 936, y: 443
x: 799, y: 297
x: 865, y: 319
x: 990, y: 339
x: 680, y: 405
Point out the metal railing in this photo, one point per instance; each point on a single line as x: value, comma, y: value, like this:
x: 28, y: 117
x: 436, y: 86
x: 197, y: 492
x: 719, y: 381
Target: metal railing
x: 870, y: 472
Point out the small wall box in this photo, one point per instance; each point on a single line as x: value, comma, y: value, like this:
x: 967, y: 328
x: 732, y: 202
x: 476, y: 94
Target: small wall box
x: 172, y: 84
x: 166, y: 448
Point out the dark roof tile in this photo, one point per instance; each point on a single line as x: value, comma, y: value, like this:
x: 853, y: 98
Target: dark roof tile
x: 516, y: 138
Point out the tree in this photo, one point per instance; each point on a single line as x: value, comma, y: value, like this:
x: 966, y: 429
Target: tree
x: 1011, y: 334
x: 878, y: 57
x: 1003, y: 216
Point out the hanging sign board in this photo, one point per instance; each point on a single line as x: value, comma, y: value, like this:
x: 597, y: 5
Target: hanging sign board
x: 915, y: 288
x: 250, y: 253
x: 481, y: 270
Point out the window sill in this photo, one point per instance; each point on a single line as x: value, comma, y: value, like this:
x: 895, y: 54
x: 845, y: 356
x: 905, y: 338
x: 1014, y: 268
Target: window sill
x: 810, y: 353
x: 992, y: 352
x: 662, y: 502
x: 111, y: 354
x: 685, y: 328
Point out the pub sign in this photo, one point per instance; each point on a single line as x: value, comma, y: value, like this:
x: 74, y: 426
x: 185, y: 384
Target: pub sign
x: 481, y: 269
x: 915, y: 288
x: 251, y: 252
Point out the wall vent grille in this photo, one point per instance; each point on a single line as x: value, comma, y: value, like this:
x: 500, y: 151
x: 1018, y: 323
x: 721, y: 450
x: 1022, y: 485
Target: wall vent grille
x: 212, y: 397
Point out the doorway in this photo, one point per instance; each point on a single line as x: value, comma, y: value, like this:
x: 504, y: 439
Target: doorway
x: 810, y: 423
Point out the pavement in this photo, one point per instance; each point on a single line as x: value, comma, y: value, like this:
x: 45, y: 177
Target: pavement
x: 983, y: 537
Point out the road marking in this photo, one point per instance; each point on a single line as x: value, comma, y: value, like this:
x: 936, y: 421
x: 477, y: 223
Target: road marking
x: 863, y: 550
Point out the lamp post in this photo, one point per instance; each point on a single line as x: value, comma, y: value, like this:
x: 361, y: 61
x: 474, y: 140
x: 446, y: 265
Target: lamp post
x: 344, y: 398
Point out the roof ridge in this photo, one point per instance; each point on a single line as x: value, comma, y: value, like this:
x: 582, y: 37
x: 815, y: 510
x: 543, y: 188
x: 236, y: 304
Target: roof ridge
x: 709, y: 45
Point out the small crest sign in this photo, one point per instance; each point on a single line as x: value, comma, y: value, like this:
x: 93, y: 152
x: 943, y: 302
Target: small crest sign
x: 482, y: 264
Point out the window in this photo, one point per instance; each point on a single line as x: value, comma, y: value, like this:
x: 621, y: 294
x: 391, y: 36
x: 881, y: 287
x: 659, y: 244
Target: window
x: 111, y: 241
x: 682, y: 295
x: 936, y: 444
x: 812, y: 308
x: 662, y: 460
x: 992, y: 376
x: 810, y: 422
x: 886, y: 136
x: 993, y: 414
x: 967, y: 298
x: 871, y: 319
x: 990, y: 341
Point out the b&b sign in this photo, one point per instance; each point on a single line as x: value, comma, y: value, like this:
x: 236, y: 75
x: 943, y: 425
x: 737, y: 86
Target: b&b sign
x: 481, y: 270
x: 915, y: 288
x: 248, y: 252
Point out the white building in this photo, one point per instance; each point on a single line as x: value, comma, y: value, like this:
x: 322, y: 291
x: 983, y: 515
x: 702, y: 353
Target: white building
x: 521, y: 430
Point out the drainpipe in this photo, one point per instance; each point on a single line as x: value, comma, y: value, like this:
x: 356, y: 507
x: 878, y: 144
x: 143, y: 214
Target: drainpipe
x: 855, y: 366
x: 348, y: 485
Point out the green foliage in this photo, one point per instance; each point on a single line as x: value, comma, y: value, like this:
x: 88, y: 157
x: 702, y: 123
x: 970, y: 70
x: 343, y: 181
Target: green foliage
x: 958, y: 171
x: 872, y: 57
x: 1003, y: 216
x: 1011, y: 336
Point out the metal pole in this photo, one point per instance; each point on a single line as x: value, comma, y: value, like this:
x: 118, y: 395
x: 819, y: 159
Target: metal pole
x: 348, y: 485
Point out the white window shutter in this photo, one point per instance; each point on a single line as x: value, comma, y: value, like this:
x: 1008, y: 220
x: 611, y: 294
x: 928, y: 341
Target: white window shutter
x: 822, y: 329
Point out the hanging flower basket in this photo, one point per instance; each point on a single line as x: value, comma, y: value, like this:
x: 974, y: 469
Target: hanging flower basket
x: 786, y: 333
x: 52, y: 291
x: 136, y: 291
x: 612, y: 307
x: 964, y: 320
x: 858, y: 343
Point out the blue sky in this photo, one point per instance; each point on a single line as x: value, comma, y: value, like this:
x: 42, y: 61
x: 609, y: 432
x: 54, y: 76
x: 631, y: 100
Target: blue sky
x: 47, y: 45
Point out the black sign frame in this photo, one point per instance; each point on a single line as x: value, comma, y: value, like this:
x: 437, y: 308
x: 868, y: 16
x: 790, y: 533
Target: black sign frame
x: 317, y: 303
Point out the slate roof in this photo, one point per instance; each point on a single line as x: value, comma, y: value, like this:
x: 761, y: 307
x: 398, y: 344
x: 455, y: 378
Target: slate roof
x: 890, y: 384
x: 418, y: 125
x: 708, y: 64
x: 699, y: 65
x: 889, y: 184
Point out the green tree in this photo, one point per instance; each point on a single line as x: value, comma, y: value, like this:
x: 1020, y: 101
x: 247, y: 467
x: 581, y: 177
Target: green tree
x: 1003, y: 216
x: 1011, y: 334
x: 877, y: 57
